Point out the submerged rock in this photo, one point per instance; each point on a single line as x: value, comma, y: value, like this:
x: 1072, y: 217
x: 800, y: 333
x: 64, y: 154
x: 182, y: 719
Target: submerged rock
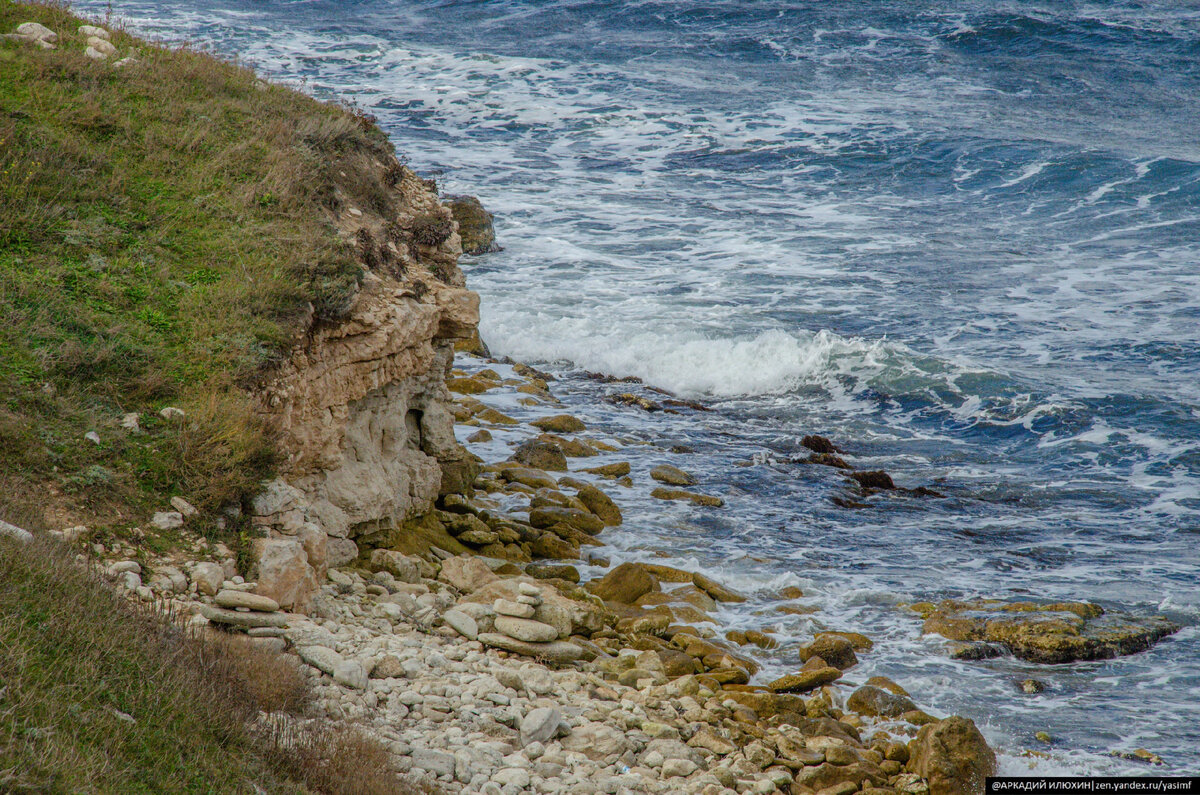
x: 829, y: 460
x: 690, y: 496
x: 672, y: 476
x: 616, y: 470
x: 559, y: 423
x: 541, y: 455
x: 1048, y: 633
x: 630, y: 399
x: 875, y: 479
x: 819, y: 444
x: 717, y: 591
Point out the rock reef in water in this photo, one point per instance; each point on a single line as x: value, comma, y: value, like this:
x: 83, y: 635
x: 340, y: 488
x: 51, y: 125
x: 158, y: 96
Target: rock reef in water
x: 1058, y: 632
x: 474, y: 225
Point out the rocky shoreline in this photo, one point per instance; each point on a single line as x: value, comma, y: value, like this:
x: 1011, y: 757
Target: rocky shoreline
x: 484, y: 659
x: 484, y: 669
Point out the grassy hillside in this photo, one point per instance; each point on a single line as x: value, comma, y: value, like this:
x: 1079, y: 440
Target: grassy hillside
x: 99, y: 696
x: 164, y: 231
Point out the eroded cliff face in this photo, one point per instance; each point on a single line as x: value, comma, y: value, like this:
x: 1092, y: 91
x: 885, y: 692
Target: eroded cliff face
x: 362, y: 405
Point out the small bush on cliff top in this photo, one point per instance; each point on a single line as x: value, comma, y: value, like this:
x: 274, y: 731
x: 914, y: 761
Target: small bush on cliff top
x: 164, y: 228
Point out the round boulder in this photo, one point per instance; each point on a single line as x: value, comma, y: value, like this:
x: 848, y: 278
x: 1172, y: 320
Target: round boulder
x: 952, y: 756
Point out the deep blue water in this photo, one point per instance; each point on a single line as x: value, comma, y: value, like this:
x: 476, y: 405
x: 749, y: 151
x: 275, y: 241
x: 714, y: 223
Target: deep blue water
x: 961, y: 238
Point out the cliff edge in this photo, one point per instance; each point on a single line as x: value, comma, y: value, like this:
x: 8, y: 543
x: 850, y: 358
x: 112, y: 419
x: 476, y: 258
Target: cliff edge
x: 229, y: 308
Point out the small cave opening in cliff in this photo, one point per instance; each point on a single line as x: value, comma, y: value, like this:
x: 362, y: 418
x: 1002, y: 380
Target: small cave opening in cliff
x: 412, y: 423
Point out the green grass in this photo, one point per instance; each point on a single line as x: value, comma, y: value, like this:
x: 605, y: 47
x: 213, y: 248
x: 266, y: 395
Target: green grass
x: 165, y: 233
x: 76, y: 665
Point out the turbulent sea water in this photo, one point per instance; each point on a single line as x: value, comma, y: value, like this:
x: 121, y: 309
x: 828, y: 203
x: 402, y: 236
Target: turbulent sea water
x: 962, y: 239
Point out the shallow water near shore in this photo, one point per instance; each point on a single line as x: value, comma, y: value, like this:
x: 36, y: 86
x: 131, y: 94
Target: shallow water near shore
x: 959, y: 239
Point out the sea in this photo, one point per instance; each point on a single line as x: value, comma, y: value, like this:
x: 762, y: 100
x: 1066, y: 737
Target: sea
x: 960, y: 239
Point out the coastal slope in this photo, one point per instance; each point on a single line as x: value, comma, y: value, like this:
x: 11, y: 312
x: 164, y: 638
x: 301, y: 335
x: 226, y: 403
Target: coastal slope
x: 226, y: 387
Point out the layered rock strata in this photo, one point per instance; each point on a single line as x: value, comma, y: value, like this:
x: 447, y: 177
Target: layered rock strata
x: 361, y: 405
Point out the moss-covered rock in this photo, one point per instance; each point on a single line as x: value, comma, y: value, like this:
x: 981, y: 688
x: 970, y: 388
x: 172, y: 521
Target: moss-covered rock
x: 541, y: 455
x: 952, y: 756
x: 689, y: 496
x: 1057, y: 632
x: 549, y: 516
x: 619, y: 469
x: 474, y: 225
x: 804, y: 681
x: 875, y: 701
x: 672, y: 476
x: 559, y: 423
x: 624, y: 584
x: 600, y: 504
x: 833, y: 649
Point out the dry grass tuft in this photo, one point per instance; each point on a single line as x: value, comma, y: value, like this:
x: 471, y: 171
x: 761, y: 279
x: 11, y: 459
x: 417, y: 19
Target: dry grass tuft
x: 272, y: 682
x: 223, y: 451
x: 432, y: 229
x: 99, y: 695
x: 341, y: 761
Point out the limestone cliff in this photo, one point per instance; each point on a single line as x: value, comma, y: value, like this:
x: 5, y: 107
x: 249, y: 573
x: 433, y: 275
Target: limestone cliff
x: 361, y: 405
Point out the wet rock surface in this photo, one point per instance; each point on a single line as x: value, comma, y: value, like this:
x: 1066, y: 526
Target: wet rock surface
x: 1058, y: 632
x: 467, y: 641
x: 475, y: 226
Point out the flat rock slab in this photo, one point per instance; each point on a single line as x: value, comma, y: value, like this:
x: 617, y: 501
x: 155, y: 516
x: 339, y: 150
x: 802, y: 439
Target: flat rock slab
x: 507, y: 607
x: 351, y: 673
x: 805, y: 680
x: 12, y: 531
x: 236, y: 599
x: 540, y: 725
x: 234, y: 618
x: 526, y: 629
x: 439, y: 763
x: 461, y: 623
x: 1057, y: 632
x: 321, y: 658
x: 559, y: 651
x: 690, y: 496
